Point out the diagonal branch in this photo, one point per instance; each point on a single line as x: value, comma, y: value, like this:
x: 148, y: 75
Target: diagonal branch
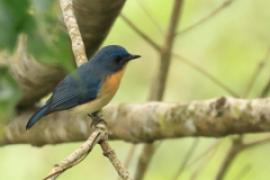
x: 188, y: 62
x: 159, y: 82
x: 76, y: 156
x: 256, y: 73
x: 73, y: 31
x: 186, y: 159
x: 207, y: 74
x: 205, y: 19
x: 145, y: 37
x: 111, y: 155
x: 238, y: 146
x: 152, y: 19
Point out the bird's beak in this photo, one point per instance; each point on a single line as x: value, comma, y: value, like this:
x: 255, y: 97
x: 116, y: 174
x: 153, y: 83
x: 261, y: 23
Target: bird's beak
x: 132, y: 57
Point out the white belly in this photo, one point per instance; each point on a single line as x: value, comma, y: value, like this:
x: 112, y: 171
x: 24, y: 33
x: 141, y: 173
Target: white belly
x: 94, y: 105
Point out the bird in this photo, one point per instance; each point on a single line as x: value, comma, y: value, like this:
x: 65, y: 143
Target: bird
x: 91, y: 86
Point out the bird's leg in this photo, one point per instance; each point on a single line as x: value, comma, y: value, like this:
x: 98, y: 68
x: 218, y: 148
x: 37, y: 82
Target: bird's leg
x: 96, y: 118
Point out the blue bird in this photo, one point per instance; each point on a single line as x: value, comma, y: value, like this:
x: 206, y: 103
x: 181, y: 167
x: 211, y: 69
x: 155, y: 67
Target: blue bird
x: 91, y: 86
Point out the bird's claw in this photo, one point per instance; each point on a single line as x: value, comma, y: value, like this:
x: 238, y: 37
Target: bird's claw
x: 96, y: 119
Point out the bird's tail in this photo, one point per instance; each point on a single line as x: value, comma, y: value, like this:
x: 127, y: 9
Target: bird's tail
x: 37, y: 116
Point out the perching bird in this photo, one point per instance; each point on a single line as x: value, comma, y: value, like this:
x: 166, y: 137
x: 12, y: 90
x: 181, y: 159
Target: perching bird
x: 91, y: 86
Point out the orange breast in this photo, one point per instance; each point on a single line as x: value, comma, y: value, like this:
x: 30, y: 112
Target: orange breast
x: 111, y: 83
x: 109, y: 88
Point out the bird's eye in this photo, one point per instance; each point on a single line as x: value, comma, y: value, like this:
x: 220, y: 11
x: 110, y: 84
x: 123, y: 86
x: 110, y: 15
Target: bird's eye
x: 118, y: 59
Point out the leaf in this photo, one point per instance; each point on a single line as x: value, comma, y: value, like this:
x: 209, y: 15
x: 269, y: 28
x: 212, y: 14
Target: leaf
x: 49, y: 42
x: 47, y: 39
x: 14, y: 19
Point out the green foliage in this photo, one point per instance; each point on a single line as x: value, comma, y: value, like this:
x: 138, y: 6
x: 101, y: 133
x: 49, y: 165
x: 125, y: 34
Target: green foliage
x: 9, y: 93
x: 14, y: 19
x: 47, y: 40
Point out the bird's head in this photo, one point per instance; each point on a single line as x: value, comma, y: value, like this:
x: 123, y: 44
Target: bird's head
x: 112, y: 58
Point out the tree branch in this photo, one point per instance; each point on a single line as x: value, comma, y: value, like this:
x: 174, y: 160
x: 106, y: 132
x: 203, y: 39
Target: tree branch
x: 157, y: 89
x: 146, y: 38
x: 205, y: 19
x: 75, y: 157
x: 159, y: 82
x: 186, y: 61
x: 256, y: 73
x: 150, y: 17
x: 73, y: 31
x: 188, y: 156
x: 144, y: 160
x: 207, y: 74
x: 110, y: 154
x: 148, y: 122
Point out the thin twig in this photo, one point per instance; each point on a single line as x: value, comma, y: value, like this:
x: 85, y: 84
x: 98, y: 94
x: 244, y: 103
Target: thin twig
x: 74, y: 32
x: 266, y: 89
x: 110, y: 154
x: 207, y: 74
x: 256, y: 73
x: 243, y: 172
x: 204, y: 154
x: 203, y: 164
x: 75, y: 156
x: 144, y: 160
x: 205, y: 19
x: 130, y: 155
x: 238, y: 146
x: 256, y: 143
x: 158, y: 27
x: 231, y: 155
x: 187, y: 158
x: 150, y: 41
x: 159, y: 82
x: 185, y: 60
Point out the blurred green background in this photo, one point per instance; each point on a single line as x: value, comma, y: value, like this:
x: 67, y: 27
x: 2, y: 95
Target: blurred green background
x: 229, y: 46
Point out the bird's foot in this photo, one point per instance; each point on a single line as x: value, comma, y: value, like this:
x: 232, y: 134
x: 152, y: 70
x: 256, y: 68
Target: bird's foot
x: 96, y: 119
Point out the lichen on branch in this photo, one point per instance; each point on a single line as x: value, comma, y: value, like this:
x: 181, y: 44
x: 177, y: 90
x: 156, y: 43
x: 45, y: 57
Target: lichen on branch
x: 148, y: 122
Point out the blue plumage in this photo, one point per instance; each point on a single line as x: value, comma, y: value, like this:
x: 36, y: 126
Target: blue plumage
x: 39, y: 114
x: 84, y: 84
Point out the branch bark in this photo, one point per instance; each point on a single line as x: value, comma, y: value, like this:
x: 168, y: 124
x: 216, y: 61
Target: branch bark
x: 73, y: 31
x: 148, y: 122
x: 76, y: 156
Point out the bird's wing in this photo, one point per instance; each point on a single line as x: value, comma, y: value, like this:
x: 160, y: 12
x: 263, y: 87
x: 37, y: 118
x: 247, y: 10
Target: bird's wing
x: 72, y: 91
